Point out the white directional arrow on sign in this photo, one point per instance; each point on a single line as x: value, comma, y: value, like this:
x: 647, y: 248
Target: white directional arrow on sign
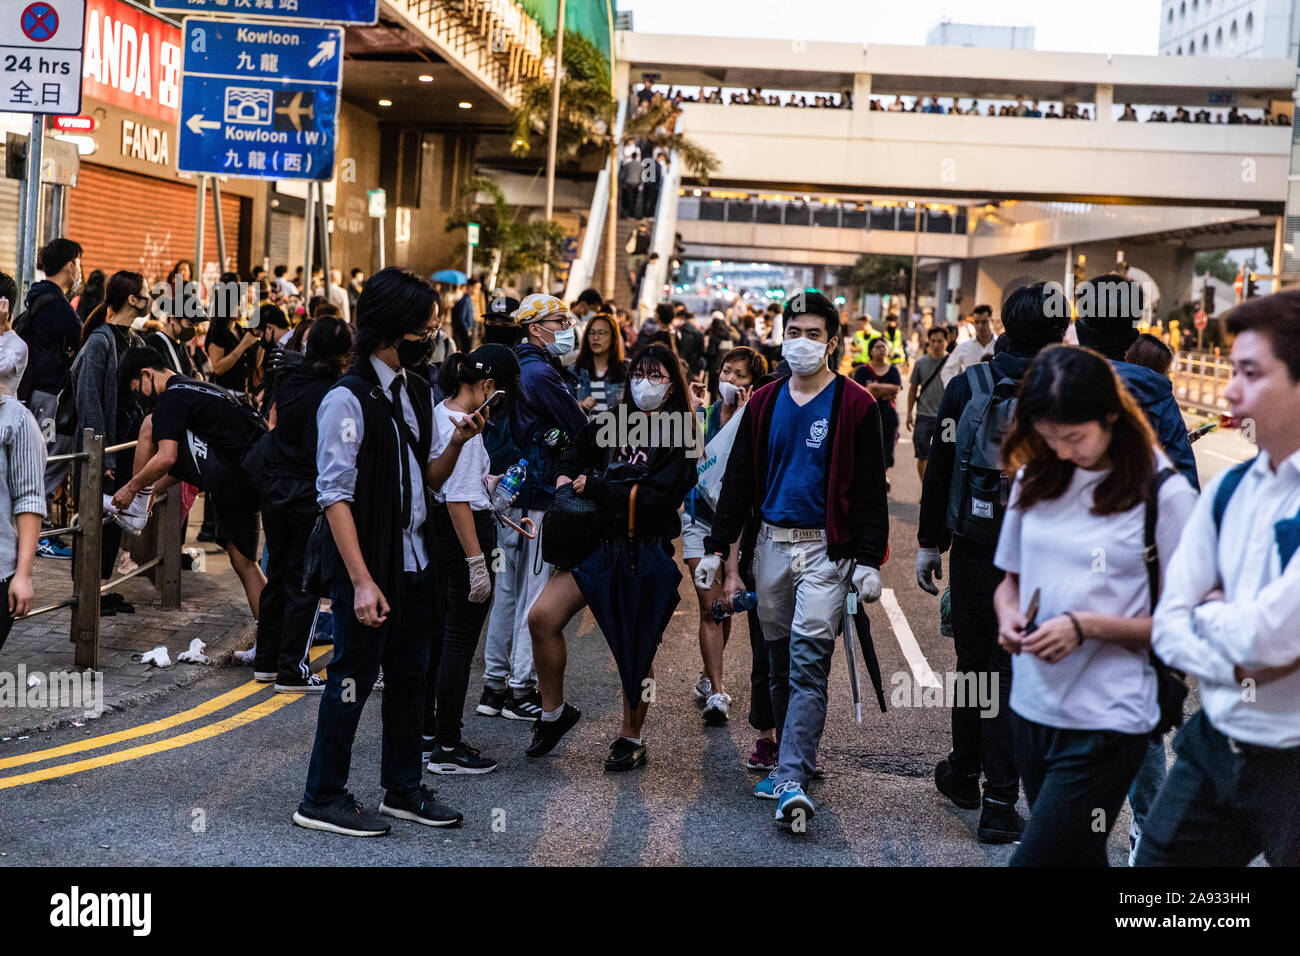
x: 324, y: 52
x: 197, y: 124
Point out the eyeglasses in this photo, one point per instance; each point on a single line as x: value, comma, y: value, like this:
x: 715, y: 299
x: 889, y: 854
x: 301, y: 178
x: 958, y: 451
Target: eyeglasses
x: 659, y: 378
x: 561, y: 324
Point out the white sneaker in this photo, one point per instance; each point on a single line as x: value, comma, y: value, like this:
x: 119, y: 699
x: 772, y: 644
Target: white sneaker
x: 135, y: 516
x: 715, y: 709
x: 703, y: 688
x: 246, y: 657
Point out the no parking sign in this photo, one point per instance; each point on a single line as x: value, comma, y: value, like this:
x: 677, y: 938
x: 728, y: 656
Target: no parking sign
x: 40, y: 59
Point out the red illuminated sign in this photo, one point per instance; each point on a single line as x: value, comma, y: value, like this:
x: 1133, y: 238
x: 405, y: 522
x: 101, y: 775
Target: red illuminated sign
x: 73, y: 124
x: 132, y: 59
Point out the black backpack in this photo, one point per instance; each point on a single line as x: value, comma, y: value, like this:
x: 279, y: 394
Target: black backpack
x: 1171, y: 684
x: 977, y: 497
x: 22, y: 324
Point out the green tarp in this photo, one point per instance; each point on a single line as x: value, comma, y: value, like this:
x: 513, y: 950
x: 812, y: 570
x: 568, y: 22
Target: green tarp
x: 591, y: 18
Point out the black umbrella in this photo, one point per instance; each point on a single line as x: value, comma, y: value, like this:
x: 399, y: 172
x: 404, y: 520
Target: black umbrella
x: 631, y: 588
x: 856, y: 620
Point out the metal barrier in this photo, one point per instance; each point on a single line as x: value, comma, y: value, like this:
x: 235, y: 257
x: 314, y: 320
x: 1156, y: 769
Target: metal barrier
x: 159, y: 544
x: 1200, y: 379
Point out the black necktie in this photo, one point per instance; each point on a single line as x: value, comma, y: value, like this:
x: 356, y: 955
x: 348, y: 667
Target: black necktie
x: 395, y: 389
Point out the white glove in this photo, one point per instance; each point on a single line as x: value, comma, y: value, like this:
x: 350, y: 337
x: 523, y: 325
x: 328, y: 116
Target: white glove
x: 706, y: 572
x: 928, y: 562
x: 866, y: 581
x: 480, y: 583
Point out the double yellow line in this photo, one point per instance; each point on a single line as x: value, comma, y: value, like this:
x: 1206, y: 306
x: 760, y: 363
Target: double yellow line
x: 206, y: 732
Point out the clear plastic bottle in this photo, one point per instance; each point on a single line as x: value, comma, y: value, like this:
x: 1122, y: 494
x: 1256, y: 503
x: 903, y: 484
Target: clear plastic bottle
x: 508, y: 489
x: 744, y: 601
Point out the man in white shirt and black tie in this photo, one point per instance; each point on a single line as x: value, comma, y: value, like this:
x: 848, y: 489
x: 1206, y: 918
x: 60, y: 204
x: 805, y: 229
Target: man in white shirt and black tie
x: 1229, y: 615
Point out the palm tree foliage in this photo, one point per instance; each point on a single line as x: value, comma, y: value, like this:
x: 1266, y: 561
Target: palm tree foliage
x: 525, y: 246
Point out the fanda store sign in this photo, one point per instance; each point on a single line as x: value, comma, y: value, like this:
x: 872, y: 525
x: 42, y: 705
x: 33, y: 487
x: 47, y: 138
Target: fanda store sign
x: 132, y: 60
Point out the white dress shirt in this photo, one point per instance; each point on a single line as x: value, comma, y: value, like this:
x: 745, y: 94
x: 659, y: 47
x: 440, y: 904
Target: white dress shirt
x: 340, y: 428
x: 963, y: 356
x: 1256, y: 625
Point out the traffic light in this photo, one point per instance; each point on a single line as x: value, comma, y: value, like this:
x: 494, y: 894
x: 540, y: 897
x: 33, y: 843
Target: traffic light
x: 1080, y: 270
x: 1251, y: 290
x: 1207, y: 299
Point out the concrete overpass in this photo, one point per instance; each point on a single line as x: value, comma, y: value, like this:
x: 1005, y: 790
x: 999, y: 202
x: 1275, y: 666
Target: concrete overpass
x: 980, y: 157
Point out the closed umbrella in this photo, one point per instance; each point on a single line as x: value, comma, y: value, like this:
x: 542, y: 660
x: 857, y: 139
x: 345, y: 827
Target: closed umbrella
x: 631, y: 587
x: 450, y: 277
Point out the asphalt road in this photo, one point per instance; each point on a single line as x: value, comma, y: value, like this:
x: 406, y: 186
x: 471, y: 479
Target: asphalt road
x: 220, y: 788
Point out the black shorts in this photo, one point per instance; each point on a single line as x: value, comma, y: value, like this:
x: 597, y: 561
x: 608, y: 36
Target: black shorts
x: 235, y: 501
x: 922, y: 434
x: 235, y: 521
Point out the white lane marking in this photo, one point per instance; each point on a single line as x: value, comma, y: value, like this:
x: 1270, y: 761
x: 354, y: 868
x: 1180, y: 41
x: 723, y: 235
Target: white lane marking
x: 1215, y: 454
x: 911, y: 650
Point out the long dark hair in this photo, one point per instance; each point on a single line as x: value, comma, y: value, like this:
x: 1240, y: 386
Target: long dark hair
x: 1070, y: 385
x: 617, y: 368
x: 91, y: 295
x: 120, y: 287
x: 328, y: 346
x: 393, y: 303
x: 644, y: 360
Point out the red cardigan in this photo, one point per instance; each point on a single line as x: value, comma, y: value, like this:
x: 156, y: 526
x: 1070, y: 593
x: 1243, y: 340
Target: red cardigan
x: 857, y: 511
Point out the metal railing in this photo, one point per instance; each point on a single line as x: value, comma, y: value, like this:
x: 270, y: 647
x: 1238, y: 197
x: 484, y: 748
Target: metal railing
x: 1200, y: 379
x: 157, y: 550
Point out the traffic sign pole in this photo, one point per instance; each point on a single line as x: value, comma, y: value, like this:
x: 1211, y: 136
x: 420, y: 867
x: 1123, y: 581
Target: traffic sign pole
x: 216, y: 221
x: 199, y: 213
x: 31, y: 212
x: 323, y: 215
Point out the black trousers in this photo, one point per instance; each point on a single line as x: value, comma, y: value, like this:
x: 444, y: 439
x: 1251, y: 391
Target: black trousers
x: 981, y: 743
x: 287, y: 612
x: 6, y: 619
x: 761, y: 717
x: 402, y: 647
x: 1223, y: 805
x: 451, y: 653
x: 1075, y: 782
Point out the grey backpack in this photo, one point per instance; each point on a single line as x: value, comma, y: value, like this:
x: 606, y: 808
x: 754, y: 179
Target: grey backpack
x: 977, y: 497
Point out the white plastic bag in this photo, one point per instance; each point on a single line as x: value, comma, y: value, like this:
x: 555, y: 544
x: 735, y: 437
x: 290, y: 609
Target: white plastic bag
x: 713, y: 465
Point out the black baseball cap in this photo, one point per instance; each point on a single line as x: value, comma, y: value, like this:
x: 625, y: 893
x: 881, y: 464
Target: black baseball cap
x: 501, y: 309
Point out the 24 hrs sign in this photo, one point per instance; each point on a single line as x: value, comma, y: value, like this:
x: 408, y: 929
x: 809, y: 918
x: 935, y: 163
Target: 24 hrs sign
x: 40, y: 58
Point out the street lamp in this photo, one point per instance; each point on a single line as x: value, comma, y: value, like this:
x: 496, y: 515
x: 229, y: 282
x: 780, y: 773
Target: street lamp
x: 550, y: 140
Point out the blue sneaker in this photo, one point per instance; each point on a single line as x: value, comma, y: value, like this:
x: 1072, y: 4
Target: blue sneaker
x: 50, y: 548
x: 794, y: 804
x: 765, y: 789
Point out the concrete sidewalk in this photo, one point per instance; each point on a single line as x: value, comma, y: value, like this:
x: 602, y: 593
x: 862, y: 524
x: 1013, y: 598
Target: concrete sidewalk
x: 213, y: 609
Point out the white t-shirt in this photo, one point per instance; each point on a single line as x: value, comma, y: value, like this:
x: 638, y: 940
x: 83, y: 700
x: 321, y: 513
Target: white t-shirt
x: 1079, y: 561
x: 466, y: 480
x: 962, y: 357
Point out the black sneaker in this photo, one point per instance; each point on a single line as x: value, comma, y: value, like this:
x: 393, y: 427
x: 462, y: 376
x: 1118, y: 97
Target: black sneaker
x: 311, y: 684
x: 344, y: 816
x: 625, y: 755
x: 490, y: 704
x: 460, y: 759
x: 528, y: 707
x: 547, y: 733
x: 420, y: 807
x: 1000, y: 823
x: 961, y: 789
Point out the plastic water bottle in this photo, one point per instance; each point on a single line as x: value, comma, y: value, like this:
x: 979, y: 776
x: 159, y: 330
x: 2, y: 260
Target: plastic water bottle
x: 508, y: 489
x: 744, y: 601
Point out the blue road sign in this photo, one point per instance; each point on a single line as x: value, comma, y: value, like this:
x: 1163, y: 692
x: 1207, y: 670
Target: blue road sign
x: 259, y: 99
x: 330, y: 11
x: 263, y: 51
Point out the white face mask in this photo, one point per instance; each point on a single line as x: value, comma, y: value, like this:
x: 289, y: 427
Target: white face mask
x: 728, y: 392
x: 563, y: 342
x: 805, y: 356
x: 648, y: 395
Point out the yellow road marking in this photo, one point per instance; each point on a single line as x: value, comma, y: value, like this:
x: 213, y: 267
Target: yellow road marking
x: 155, y: 726
x: 241, y: 719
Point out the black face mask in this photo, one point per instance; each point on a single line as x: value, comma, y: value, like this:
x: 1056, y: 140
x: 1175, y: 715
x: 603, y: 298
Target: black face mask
x: 412, y: 353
